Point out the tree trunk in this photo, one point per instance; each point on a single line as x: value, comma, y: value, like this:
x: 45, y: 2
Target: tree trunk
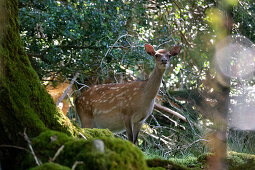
x: 24, y: 102
x: 218, y: 141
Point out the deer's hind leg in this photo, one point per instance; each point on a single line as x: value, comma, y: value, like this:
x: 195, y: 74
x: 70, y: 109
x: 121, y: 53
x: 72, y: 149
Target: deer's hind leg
x: 85, y: 115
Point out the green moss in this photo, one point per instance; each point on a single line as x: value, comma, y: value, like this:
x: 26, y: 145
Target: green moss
x: 157, y: 168
x: 97, y: 133
x: 164, y: 164
x: 238, y: 161
x: 119, y: 154
x: 234, y: 160
x: 204, y: 158
x: 50, y: 166
x: 246, y: 166
x: 190, y: 162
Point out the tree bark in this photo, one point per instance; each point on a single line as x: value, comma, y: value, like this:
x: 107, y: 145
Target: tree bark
x: 24, y: 102
x: 222, y: 87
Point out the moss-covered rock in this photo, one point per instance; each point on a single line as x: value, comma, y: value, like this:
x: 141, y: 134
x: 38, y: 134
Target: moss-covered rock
x: 119, y: 154
x: 238, y: 161
x: 204, y: 158
x: 189, y: 162
x: 234, y: 160
x: 95, y: 133
x: 157, y: 168
x: 169, y: 165
x: 50, y: 166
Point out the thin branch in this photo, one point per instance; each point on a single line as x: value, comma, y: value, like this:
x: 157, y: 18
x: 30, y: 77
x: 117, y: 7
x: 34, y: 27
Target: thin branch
x: 77, y: 163
x: 196, y: 141
x: 109, y: 50
x: 58, y: 152
x: 16, y: 147
x: 38, y: 162
x: 158, y: 106
x: 68, y: 89
x: 83, y: 136
x: 175, y: 123
x: 156, y: 137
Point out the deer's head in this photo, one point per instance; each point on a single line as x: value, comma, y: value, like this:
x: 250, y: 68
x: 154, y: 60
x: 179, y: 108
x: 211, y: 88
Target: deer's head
x: 162, y: 56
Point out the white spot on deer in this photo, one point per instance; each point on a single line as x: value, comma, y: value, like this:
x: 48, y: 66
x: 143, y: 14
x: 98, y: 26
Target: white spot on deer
x: 114, y: 88
x: 83, y: 98
x: 121, y: 94
x: 112, y: 100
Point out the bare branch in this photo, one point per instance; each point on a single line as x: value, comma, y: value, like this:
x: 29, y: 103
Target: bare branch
x: 156, y: 137
x: 83, y: 136
x: 175, y: 123
x: 68, y: 89
x: 158, y: 106
x: 16, y: 147
x: 77, y: 163
x: 38, y: 162
x: 58, y: 152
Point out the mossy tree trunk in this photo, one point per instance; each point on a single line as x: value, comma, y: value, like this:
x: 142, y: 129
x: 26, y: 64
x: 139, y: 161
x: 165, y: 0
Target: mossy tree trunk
x: 24, y: 102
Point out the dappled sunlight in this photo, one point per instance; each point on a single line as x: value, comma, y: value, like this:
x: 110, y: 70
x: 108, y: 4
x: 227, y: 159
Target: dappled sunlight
x: 235, y: 58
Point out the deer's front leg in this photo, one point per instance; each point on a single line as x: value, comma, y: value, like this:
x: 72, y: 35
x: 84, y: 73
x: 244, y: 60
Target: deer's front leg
x: 129, y: 127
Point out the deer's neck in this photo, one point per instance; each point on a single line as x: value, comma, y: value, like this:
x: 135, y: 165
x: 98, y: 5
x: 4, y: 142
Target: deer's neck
x: 152, y: 84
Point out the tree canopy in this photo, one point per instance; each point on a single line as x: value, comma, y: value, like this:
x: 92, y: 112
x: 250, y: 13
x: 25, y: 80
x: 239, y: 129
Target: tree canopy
x: 104, y: 40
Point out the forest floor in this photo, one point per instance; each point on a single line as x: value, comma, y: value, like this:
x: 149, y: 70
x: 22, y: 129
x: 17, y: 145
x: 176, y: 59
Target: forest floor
x: 234, y: 161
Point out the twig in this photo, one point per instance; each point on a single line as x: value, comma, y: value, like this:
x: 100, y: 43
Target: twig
x: 83, y: 136
x: 58, y: 152
x: 16, y: 147
x: 109, y: 50
x: 68, y: 89
x: 158, y: 106
x: 175, y: 123
x: 186, y: 147
x: 38, y: 162
x: 77, y: 163
x: 125, y: 35
x: 81, y: 84
x: 156, y: 137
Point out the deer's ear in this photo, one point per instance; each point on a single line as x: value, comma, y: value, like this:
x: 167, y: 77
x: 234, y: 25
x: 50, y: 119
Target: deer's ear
x: 175, y: 50
x: 149, y: 49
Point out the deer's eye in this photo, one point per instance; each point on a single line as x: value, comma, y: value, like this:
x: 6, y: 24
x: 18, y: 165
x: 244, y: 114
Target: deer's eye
x: 157, y: 55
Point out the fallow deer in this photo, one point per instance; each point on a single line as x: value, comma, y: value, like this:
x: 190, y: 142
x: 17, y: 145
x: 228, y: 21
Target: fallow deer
x: 121, y: 107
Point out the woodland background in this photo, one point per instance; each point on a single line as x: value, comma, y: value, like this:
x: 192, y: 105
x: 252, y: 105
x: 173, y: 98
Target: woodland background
x: 103, y: 41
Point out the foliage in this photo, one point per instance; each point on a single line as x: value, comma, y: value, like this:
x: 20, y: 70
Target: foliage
x: 165, y: 164
x: 104, y: 41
